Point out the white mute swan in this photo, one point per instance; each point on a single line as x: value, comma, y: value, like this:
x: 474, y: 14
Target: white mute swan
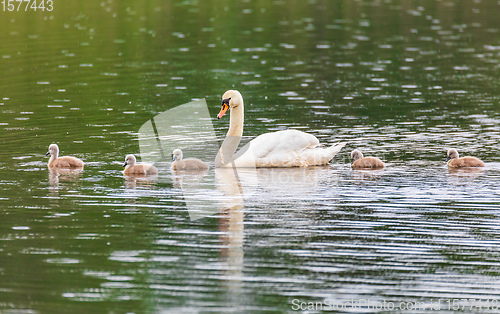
x: 186, y: 164
x: 62, y: 162
x: 133, y: 169
x: 288, y: 148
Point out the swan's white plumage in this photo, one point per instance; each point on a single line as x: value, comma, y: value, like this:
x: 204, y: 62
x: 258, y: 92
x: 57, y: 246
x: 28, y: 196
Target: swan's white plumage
x: 288, y: 148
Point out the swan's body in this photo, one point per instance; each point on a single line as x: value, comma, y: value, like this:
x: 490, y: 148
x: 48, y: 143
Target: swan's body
x: 358, y: 161
x: 133, y: 169
x: 289, y: 148
x: 186, y: 164
x: 62, y: 162
x: 454, y: 161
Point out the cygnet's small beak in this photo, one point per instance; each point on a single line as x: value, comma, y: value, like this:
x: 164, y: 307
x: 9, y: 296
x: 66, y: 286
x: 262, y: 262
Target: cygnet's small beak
x: 174, y: 158
x: 124, y: 164
x: 225, y: 107
x: 48, y: 153
x: 448, y: 159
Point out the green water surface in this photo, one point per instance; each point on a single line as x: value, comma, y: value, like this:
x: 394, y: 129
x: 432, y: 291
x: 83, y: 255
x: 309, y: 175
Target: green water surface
x: 402, y: 80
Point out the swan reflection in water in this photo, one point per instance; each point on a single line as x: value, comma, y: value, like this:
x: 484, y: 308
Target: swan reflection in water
x: 464, y: 176
x: 132, y: 182
x: 233, y: 189
x: 188, y: 179
x: 231, y: 227
x: 65, y: 175
x: 58, y: 175
x: 367, y: 175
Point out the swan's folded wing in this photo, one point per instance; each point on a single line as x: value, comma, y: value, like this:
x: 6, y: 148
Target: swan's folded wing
x: 281, y: 142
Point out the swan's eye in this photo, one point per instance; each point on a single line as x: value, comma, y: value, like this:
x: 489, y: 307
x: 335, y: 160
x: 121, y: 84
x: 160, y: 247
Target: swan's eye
x: 226, y: 101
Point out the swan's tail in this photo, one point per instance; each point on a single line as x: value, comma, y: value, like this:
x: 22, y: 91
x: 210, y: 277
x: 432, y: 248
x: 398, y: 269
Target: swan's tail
x: 320, y: 156
x: 334, y: 149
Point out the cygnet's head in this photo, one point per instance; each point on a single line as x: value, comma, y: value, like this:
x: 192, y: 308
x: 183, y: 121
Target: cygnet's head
x: 452, y: 154
x: 355, y: 155
x: 177, y: 155
x: 231, y: 99
x: 53, y: 150
x: 129, y: 160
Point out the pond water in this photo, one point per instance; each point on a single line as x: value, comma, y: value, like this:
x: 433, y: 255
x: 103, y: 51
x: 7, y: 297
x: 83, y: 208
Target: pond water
x: 401, y: 80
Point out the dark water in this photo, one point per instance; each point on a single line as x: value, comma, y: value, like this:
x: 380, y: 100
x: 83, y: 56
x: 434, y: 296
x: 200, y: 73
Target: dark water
x: 402, y: 80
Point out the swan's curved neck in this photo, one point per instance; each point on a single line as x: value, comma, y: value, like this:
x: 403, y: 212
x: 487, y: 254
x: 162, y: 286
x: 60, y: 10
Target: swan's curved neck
x: 236, y: 119
x: 52, y: 158
x: 233, y: 136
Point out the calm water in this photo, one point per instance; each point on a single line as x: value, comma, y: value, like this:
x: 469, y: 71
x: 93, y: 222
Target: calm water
x: 403, y: 80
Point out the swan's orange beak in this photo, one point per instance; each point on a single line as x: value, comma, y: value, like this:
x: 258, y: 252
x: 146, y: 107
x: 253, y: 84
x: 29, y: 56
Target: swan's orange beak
x: 225, y: 107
